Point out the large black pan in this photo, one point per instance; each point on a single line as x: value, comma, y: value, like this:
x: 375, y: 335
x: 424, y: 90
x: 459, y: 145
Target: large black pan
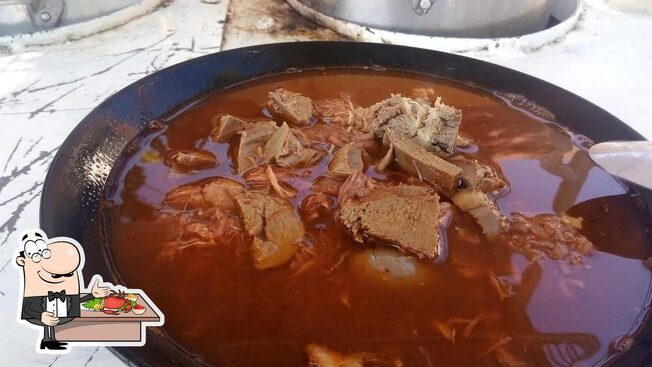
x: 75, y: 181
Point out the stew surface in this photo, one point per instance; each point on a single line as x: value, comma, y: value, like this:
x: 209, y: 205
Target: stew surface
x: 480, y: 302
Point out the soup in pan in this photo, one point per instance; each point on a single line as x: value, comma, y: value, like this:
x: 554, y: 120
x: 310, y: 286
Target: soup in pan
x: 376, y: 218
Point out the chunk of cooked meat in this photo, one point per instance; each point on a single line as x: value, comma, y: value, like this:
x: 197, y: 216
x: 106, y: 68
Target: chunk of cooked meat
x: 482, y: 209
x: 284, y: 148
x: 280, y: 143
x: 275, y: 226
x: 346, y: 161
x: 251, y: 145
x: 406, y: 216
x: 417, y: 161
x: 190, y: 160
x: 265, y: 143
x: 226, y: 128
x: 375, y: 117
x: 319, y: 356
x: 433, y: 127
x: 440, y: 128
x: 294, y: 107
x: 478, y: 176
x: 214, y: 192
x: 546, y: 235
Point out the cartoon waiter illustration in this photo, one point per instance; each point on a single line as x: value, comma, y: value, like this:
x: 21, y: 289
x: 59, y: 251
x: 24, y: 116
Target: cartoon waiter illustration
x: 52, y: 294
x: 51, y: 284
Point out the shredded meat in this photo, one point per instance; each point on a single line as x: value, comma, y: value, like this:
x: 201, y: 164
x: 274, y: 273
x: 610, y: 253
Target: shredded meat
x: 338, y: 111
x: 208, y: 216
x: 546, y: 235
x: 333, y: 134
x: 356, y: 185
x: 278, y: 188
x: 319, y: 356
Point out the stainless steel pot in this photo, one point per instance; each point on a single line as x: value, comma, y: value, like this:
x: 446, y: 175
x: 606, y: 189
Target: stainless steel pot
x: 450, y: 18
x: 29, y: 16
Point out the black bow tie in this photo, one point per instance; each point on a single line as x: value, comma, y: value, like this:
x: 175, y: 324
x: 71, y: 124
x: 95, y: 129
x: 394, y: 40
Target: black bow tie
x: 60, y: 295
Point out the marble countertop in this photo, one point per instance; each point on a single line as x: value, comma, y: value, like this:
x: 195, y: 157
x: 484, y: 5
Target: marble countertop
x: 46, y: 90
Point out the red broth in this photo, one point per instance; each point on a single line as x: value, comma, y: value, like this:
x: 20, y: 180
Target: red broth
x: 219, y: 307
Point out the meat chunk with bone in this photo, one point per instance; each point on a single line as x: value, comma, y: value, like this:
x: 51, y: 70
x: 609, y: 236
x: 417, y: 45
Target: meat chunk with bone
x: 293, y: 107
x: 275, y: 226
x: 405, y: 216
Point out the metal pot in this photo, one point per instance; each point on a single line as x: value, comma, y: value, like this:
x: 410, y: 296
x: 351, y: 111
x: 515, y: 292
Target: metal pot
x: 448, y: 18
x: 29, y: 16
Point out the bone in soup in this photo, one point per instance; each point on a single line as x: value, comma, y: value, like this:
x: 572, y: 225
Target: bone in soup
x: 368, y: 218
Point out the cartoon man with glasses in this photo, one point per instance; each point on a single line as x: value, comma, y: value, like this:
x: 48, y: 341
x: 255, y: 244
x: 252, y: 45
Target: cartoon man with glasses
x: 51, y: 283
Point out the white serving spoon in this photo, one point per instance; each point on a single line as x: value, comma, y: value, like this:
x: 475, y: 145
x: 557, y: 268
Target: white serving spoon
x: 631, y: 160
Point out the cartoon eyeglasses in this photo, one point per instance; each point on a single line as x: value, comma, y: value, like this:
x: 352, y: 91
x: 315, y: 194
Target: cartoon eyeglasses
x: 37, y: 250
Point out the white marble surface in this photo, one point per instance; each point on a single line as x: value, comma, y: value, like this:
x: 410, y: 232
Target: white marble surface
x: 46, y: 90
